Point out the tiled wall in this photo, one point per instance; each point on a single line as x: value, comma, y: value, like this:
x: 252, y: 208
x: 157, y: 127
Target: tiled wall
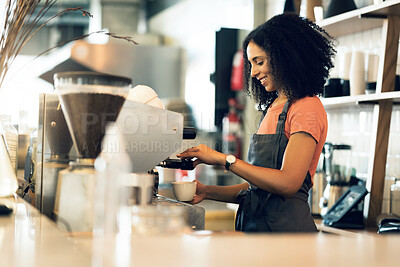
x: 353, y: 125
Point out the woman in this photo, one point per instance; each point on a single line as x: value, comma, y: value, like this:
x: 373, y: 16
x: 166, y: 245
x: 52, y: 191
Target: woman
x: 289, y: 59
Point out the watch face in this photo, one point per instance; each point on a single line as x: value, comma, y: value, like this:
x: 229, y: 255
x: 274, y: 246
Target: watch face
x: 230, y: 158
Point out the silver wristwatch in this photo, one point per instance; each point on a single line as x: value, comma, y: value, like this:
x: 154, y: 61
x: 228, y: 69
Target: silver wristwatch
x: 229, y: 160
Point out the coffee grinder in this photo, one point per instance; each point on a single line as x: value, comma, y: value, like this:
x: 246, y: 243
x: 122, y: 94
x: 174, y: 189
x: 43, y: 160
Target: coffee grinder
x: 89, y: 100
x: 53, y: 153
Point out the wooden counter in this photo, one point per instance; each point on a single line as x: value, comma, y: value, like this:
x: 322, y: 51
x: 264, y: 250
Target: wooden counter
x: 30, y: 239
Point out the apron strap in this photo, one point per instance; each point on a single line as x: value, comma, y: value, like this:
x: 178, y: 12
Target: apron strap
x: 280, y: 127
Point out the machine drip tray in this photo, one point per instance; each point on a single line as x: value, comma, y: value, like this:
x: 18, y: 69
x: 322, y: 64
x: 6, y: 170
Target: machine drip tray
x: 195, y: 214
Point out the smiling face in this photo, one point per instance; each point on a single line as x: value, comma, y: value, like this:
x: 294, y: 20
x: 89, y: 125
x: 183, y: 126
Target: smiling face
x: 260, y: 66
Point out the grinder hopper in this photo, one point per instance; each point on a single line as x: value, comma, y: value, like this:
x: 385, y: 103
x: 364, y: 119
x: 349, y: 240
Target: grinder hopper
x: 90, y: 100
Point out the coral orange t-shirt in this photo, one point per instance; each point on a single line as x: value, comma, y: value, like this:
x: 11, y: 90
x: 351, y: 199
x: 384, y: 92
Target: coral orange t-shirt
x: 305, y: 115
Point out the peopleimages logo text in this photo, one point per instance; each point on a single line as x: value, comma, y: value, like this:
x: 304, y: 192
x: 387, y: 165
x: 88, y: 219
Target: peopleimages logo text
x: 130, y: 123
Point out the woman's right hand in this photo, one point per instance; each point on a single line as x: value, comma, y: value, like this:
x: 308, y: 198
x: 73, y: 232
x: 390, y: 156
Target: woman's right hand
x: 200, y: 193
x: 203, y: 154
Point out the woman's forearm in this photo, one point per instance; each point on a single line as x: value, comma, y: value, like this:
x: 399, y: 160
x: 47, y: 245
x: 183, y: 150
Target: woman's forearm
x: 287, y: 180
x: 224, y: 193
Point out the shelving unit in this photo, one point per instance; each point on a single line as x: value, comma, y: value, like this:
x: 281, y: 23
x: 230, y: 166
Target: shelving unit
x: 387, y: 16
x: 366, y: 18
x: 349, y: 101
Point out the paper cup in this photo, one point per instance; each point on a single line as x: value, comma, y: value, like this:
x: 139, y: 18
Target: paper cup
x: 357, y: 74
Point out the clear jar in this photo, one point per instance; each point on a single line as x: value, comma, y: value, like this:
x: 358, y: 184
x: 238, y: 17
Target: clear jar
x: 11, y: 136
x: 395, y: 198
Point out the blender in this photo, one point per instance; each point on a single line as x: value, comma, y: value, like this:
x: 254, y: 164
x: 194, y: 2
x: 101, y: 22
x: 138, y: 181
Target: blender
x: 337, y: 171
x: 89, y: 100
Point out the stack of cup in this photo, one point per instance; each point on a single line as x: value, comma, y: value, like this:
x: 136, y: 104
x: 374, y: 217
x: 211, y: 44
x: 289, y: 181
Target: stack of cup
x: 357, y: 73
x: 372, y: 73
x: 345, y: 62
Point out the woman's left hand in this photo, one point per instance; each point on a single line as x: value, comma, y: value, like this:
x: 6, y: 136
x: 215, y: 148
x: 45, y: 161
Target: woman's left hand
x: 203, y: 154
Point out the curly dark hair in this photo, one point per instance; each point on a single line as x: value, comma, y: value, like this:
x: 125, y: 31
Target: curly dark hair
x: 300, y: 54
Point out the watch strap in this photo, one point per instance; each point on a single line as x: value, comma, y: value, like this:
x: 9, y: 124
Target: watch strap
x: 227, y: 165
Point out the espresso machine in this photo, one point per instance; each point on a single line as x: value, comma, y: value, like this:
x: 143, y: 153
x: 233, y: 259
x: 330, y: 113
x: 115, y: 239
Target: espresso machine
x: 142, y: 137
x: 89, y: 100
x: 103, y: 125
x: 149, y: 136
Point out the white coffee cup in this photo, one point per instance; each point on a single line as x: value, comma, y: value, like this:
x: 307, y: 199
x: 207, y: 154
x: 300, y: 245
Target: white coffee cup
x: 184, y: 191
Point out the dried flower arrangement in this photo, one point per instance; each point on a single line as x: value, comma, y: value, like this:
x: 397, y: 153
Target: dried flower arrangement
x: 20, y: 24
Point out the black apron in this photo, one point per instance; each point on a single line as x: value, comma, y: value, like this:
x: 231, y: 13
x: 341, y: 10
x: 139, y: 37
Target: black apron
x: 262, y: 211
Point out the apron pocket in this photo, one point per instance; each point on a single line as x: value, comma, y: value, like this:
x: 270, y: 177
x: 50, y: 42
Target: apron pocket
x: 257, y: 212
x: 294, y: 215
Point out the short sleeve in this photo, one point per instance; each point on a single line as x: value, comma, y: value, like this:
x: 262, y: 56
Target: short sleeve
x: 307, y: 115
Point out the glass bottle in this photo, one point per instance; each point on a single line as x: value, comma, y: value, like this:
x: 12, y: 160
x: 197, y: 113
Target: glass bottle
x: 11, y: 136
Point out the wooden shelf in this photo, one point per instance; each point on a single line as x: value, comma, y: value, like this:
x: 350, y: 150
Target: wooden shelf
x: 371, y: 17
x: 348, y: 101
x: 385, y: 15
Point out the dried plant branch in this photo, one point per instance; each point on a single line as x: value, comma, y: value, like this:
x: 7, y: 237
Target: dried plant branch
x: 17, y: 28
x: 126, y: 38
x: 21, y: 24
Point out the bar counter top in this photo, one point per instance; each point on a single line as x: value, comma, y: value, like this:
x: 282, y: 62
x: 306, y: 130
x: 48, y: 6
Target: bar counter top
x: 28, y: 238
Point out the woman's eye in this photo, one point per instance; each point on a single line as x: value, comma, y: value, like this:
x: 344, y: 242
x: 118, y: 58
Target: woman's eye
x: 260, y: 63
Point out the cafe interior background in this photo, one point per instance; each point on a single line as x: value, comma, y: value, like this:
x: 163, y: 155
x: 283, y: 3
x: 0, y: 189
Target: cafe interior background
x: 201, y: 31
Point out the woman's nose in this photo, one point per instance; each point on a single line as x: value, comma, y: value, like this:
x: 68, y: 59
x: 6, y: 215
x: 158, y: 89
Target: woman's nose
x: 254, y: 71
